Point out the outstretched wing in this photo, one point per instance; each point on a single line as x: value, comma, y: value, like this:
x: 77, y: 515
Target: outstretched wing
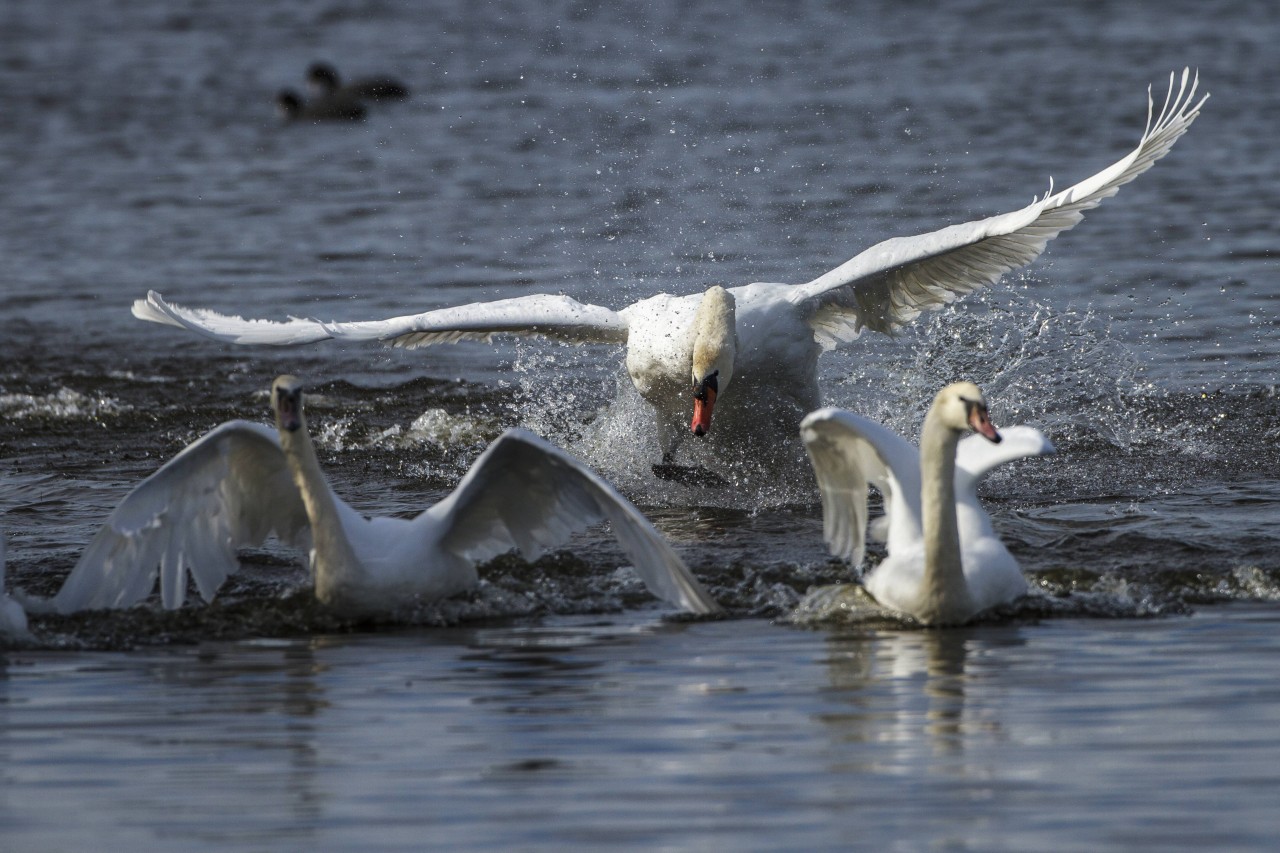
x: 848, y: 452
x: 976, y: 457
x: 229, y: 489
x: 889, y: 284
x: 537, y: 315
x: 524, y: 492
x: 234, y: 330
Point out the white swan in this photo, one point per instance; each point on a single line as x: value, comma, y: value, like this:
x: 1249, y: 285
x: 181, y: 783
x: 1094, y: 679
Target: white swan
x: 13, y: 619
x: 945, y: 563
x: 765, y: 339
x: 242, y: 481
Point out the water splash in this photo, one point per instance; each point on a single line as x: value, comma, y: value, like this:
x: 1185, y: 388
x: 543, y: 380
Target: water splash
x: 63, y: 404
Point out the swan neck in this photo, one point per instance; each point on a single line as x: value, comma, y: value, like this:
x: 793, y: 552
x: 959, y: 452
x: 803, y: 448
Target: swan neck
x: 946, y: 593
x: 715, y: 336
x: 333, y: 561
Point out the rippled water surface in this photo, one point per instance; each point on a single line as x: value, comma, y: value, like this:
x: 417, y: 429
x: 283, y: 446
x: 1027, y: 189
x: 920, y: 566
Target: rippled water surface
x: 611, y: 154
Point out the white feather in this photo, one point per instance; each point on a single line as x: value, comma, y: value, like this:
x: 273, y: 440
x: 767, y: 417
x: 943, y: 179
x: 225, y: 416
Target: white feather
x: 781, y: 329
x: 849, y: 452
x: 233, y: 487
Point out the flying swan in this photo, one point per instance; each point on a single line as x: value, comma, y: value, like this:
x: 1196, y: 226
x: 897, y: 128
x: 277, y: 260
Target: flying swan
x: 945, y: 563
x: 242, y: 481
x: 749, y: 352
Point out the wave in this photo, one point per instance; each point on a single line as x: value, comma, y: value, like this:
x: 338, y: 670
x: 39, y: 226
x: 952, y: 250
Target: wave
x: 271, y: 597
x: 63, y: 404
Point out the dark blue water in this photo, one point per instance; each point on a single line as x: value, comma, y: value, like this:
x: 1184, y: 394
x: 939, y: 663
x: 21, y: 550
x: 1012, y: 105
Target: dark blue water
x: 611, y: 154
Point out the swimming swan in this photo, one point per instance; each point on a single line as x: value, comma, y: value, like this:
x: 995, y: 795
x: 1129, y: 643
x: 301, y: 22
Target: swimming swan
x: 241, y: 481
x: 945, y: 563
x: 762, y: 339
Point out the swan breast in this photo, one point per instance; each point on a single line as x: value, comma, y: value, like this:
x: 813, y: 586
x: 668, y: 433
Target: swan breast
x: 660, y: 344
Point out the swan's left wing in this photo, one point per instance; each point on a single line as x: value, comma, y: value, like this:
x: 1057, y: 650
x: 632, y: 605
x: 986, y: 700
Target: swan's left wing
x: 526, y: 493
x: 889, y: 284
x: 976, y: 457
x: 536, y: 315
x: 229, y: 489
x: 848, y: 453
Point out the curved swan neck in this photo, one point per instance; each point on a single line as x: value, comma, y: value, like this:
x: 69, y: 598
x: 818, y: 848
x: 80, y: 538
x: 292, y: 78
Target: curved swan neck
x: 715, y: 337
x: 332, y: 559
x: 946, y: 593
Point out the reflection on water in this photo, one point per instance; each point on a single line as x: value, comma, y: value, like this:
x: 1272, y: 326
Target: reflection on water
x: 122, y: 734
x: 631, y: 732
x: 925, y: 672
x: 609, y: 153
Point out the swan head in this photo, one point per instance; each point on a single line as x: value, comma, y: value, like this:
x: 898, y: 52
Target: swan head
x: 962, y: 407
x: 715, y: 347
x: 286, y: 402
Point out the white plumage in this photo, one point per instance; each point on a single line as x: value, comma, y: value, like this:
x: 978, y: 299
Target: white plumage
x: 780, y: 329
x: 241, y: 482
x: 969, y: 570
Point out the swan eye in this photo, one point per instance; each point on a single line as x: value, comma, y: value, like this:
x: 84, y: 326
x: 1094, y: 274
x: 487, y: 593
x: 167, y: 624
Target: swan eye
x: 710, y: 384
x: 975, y: 411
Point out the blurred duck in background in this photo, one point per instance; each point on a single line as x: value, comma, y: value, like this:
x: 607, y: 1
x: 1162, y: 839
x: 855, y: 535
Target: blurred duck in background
x: 325, y: 83
x: 293, y: 108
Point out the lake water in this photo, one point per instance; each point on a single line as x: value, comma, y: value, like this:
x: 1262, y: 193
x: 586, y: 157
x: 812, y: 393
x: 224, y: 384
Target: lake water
x: 611, y: 154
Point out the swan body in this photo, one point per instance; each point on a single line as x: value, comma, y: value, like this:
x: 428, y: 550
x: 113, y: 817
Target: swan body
x: 777, y: 331
x: 945, y: 563
x: 241, y: 482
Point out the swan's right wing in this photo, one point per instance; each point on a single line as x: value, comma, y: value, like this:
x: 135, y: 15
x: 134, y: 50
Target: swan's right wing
x: 526, y: 493
x: 536, y: 315
x: 848, y: 453
x: 229, y: 489
x: 976, y: 457
x: 889, y: 284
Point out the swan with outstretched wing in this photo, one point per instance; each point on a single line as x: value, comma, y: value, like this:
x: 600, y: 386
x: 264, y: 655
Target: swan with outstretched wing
x: 242, y: 482
x: 945, y: 563
x: 750, y: 353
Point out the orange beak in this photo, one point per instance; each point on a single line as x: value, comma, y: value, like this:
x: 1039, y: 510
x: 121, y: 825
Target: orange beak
x: 704, y: 400
x: 980, y: 422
